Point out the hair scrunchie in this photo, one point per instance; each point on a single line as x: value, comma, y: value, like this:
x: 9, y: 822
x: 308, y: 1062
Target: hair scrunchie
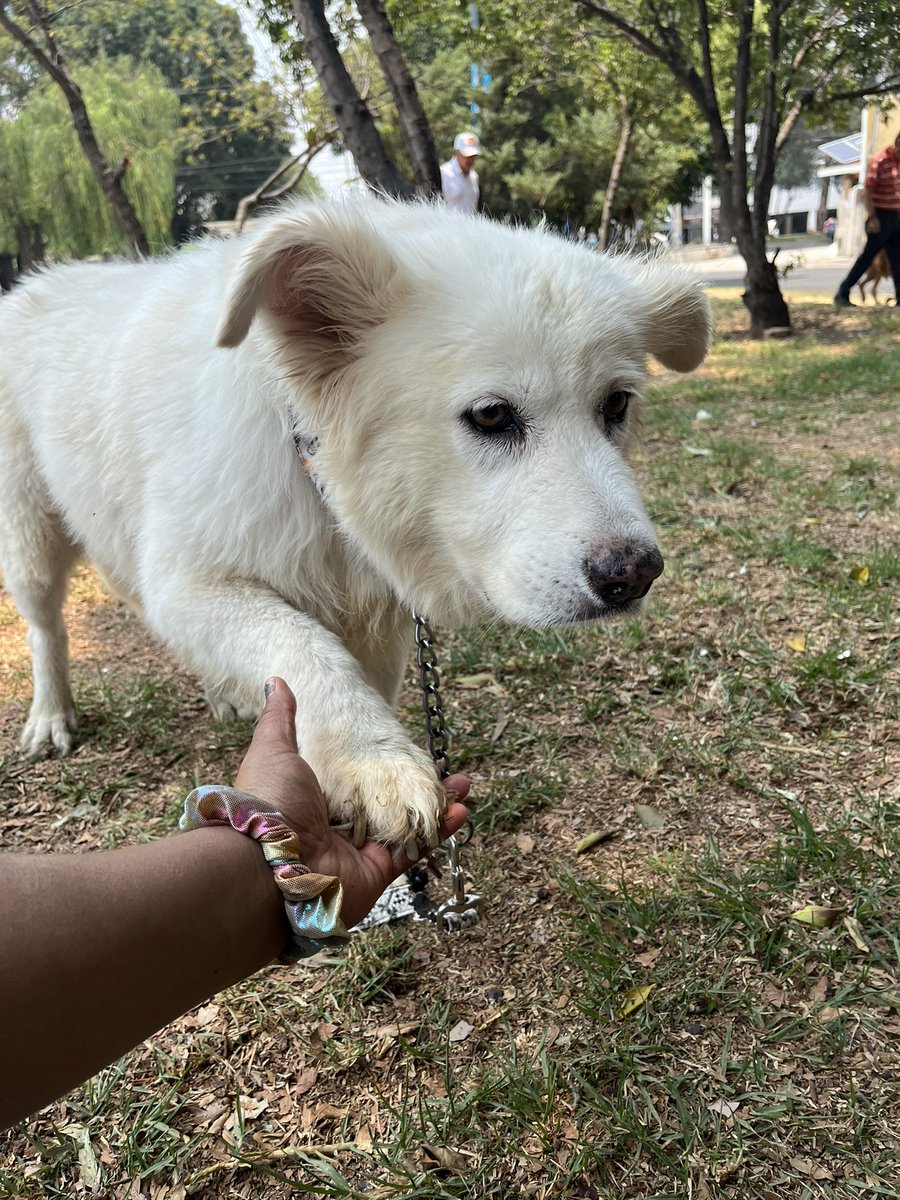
x: 312, y: 902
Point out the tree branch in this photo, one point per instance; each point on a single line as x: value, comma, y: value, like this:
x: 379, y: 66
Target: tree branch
x: 637, y: 37
x: 672, y: 57
x: 264, y: 192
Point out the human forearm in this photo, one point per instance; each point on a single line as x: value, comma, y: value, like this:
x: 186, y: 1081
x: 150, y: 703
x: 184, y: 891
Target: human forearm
x: 99, y: 951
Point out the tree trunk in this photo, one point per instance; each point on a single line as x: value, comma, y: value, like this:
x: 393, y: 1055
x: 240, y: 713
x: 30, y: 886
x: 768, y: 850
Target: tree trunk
x: 615, y: 175
x: 822, y: 208
x: 109, y: 180
x: 30, y: 248
x: 769, y: 315
x: 108, y: 177
x: 351, y: 113
x: 8, y: 272
x: 413, y: 122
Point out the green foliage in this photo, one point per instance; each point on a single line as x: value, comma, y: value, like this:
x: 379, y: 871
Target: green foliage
x: 550, y: 122
x: 232, y: 125
x: 45, y: 180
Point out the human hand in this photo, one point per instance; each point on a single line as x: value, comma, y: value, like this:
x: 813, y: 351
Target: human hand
x: 873, y: 225
x: 273, y: 771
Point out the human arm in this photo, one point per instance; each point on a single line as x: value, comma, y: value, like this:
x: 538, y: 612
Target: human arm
x: 873, y: 225
x: 870, y: 186
x: 100, y: 950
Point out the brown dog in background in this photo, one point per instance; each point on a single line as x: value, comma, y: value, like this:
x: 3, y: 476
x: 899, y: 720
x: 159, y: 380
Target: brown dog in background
x: 880, y: 269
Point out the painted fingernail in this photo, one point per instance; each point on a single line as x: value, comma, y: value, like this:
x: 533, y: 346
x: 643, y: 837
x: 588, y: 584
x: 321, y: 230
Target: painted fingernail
x: 269, y: 688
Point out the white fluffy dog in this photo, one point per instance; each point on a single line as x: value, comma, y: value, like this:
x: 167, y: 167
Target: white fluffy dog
x: 276, y: 446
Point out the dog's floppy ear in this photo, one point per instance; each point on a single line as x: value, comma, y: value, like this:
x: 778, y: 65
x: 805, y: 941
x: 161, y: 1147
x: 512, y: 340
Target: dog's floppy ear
x: 676, y: 316
x: 324, y: 276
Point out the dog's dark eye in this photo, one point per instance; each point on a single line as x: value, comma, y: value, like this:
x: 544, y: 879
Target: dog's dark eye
x: 615, y: 407
x: 493, y: 419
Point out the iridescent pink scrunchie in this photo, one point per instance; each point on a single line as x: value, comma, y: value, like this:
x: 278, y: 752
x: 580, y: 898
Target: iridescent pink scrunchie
x: 313, y: 902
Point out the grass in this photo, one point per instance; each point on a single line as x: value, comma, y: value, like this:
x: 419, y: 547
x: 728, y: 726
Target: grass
x: 736, y: 750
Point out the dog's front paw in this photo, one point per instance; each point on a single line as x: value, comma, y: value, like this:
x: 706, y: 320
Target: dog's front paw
x: 389, y: 792
x: 45, y: 732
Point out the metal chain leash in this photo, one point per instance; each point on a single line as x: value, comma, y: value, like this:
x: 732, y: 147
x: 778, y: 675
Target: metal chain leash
x: 461, y: 910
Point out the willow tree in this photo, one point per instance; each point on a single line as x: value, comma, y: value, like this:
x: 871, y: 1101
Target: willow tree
x: 32, y: 26
x: 235, y: 127
x: 48, y: 184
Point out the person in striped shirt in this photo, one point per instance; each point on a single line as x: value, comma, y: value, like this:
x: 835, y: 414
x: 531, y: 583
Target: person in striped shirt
x: 881, y: 197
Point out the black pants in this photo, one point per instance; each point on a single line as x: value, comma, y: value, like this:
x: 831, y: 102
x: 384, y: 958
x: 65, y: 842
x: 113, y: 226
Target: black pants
x: 887, y: 239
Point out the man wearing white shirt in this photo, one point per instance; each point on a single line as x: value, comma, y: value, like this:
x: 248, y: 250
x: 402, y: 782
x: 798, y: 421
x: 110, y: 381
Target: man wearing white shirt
x: 459, y: 179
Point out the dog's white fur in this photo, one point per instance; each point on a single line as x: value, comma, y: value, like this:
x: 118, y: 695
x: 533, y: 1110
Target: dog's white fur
x: 130, y: 437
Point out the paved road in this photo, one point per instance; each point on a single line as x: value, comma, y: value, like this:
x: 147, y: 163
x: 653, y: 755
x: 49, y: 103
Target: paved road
x: 803, y: 279
x: 817, y: 270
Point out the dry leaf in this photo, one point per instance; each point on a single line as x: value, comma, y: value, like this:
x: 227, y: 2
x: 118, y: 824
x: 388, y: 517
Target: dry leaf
x: 207, y: 1014
x: 796, y: 642
x: 88, y: 1167
x: 364, y: 1139
x: 594, y: 839
x: 855, y: 930
x: 806, y: 1166
x: 824, y: 1015
x: 649, y: 957
x: 525, y: 843
x: 773, y: 996
x: 819, y: 989
x: 460, y: 1032
x: 306, y: 1080
x: 860, y: 574
x: 397, y: 1029
x: 649, y: 817
x: 475, y: 681
x: 726, y: 1108
x: 439, y: 1158
x: 634, y: 998
x: 819, y: 916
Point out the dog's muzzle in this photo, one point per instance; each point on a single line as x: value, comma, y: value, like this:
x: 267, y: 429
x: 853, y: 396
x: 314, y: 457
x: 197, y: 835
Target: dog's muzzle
x: 625, y: 573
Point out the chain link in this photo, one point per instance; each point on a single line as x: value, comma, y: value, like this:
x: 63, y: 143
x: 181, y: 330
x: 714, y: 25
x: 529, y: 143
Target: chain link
x: 432, y: 705
x: 461, y: 910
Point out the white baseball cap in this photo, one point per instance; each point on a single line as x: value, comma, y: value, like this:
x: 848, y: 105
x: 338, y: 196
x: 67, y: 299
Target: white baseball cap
x: 467, y: 144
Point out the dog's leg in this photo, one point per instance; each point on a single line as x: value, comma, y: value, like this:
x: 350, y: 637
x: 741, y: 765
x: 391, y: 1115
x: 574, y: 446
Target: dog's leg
x: 37, y: 557
x: 237, y: 634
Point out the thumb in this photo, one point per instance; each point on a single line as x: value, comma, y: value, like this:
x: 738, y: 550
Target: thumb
x: 275, y: 729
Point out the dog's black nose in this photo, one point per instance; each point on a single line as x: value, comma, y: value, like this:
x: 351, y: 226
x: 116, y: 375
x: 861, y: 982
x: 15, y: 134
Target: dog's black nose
x: 624, y: 573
